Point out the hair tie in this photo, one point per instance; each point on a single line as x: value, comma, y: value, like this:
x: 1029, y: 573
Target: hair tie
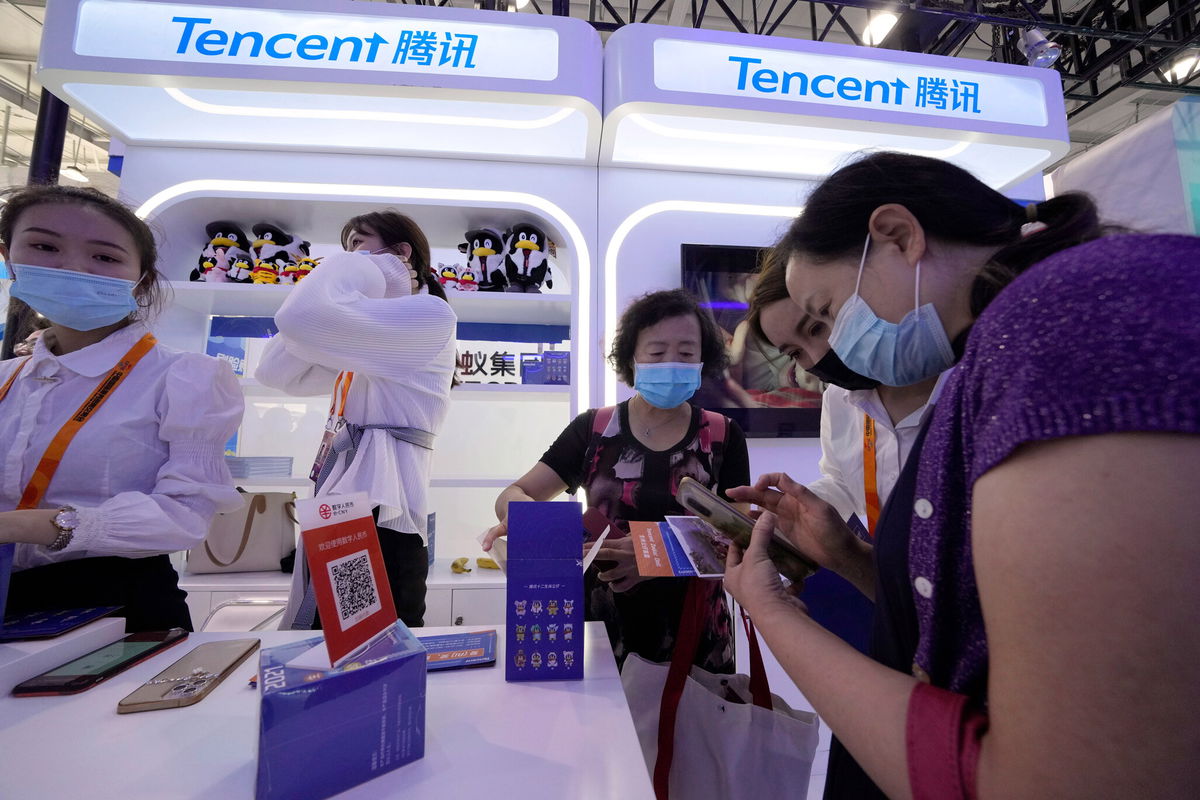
x: 1031, y: 212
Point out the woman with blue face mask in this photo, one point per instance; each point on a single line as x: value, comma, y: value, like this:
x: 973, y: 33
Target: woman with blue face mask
x: 630, y: 458
x: 114, y: 443
x: 1038, y: 555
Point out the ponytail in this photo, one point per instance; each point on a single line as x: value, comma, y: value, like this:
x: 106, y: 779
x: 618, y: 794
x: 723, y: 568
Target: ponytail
x: 1067, y: 220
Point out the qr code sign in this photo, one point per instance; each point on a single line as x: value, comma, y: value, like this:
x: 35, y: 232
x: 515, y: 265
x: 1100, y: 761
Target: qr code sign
x: 354, y: 592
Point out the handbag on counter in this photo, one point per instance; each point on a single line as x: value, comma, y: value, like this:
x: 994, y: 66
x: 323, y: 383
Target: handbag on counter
x: 708, y: 736
x: 252, y: 539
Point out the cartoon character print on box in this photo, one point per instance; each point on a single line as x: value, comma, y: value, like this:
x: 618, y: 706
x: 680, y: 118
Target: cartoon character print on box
x: 226, y: 245
x: 525, y: 264
x: 520, y: 606
x: 536, y: 633
x: 275, y: 251
x: 484, y: 249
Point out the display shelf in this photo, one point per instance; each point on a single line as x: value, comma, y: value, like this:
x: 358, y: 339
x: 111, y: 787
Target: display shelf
x: 254, y: 300
x: 274, y: 483
x: 469, y: 482
x: 518, y: 392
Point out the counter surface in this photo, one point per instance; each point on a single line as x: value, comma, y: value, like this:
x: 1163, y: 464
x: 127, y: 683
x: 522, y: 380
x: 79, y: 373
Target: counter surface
x: 484, y: 737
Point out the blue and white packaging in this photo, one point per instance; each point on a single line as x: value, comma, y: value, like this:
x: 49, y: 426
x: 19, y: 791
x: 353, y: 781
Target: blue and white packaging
x: 544, y: 636
x: 323, y: 731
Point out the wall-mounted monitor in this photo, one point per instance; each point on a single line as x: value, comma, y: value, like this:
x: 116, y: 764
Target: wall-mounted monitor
x: 766, y: 392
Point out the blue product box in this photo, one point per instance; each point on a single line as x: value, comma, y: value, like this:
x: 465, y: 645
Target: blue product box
x: 532, y: 371
x: 323, y: 732
x: 544, y: 636
x: 557, y: 364
x: 6, y: 559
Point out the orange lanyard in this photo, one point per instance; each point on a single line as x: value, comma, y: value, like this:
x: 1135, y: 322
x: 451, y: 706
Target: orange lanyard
x: 42, y: 475
x: 869, y: 481
x: 11, y: 380
x: 342, y: 383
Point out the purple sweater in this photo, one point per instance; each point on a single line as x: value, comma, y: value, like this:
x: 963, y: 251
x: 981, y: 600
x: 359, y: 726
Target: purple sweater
x: 1101, y: 338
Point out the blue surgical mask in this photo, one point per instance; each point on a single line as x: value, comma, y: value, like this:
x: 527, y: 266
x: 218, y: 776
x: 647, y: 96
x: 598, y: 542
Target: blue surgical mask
x: 666, y: 385
x: 895, y: 354
x: 74, y: 300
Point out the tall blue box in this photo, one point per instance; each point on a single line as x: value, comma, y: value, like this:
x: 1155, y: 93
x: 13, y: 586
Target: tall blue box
x: 6, y: 560
x: 544, y: 635
x: 323, y: 732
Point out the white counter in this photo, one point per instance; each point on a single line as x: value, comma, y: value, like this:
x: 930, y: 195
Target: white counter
x: 484, y: 737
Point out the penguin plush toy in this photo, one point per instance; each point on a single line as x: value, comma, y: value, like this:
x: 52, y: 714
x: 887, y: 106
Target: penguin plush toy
x: 226, y: 242
x: 484, y: 249
x: 273, y: 246
x: 525, y: 263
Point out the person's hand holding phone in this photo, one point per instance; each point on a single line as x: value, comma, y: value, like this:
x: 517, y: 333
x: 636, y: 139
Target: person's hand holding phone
x: 752, y: 577
x: 808, y: 522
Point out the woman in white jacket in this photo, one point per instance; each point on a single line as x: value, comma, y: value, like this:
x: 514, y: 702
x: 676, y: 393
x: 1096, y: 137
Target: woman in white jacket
x: 361, y: 327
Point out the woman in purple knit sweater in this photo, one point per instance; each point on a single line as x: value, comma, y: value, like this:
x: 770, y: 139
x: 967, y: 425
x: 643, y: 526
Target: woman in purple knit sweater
x: 1046, y: 551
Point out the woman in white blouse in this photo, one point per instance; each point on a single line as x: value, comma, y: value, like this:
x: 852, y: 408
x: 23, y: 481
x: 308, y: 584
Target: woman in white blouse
x: 367, y: 326
x: 114, y: 443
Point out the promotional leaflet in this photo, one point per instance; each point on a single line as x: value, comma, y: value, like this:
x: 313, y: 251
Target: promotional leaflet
x: 459, y: 650
x: 341, y: 544
x: 680, y: 547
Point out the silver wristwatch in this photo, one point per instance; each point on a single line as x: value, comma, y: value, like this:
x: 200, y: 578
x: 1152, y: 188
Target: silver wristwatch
x: 65, y: 521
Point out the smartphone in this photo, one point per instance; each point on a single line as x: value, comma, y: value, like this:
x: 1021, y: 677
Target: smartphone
x: 190, y: 679
x: 722, y: 515
x: 100, y: 665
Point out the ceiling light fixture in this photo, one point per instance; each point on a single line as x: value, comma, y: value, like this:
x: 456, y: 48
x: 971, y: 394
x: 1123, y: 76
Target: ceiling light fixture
x: 1184, y: 67
x: 1037, y: 49
x: 878, y: 27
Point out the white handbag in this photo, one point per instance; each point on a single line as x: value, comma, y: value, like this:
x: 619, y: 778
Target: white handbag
x: 252, y: 539
x: 716, y: 737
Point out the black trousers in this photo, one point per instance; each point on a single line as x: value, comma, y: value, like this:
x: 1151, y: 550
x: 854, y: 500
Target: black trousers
x: 148, y: 588
x: 407, y: 561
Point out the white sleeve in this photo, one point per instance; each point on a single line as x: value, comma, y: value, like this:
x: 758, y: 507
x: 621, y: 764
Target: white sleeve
x: 284, y: 367
x: 831, y: 486
x: 199, y: 408
x: 354, y: 312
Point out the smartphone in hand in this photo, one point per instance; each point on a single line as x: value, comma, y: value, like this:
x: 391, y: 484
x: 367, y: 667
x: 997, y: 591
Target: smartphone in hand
x: 706, y: 504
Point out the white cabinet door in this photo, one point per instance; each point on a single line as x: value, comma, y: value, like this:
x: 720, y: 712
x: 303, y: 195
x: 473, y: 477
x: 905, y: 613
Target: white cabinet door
x: 478, y: 607
x: 437, y: 607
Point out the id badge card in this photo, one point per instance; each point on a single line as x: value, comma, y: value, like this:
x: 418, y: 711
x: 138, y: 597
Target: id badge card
x: 332, y: 427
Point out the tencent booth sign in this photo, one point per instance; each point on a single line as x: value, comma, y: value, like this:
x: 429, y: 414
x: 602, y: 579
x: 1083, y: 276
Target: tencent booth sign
x: 252, y: 36
x: 836, y: 80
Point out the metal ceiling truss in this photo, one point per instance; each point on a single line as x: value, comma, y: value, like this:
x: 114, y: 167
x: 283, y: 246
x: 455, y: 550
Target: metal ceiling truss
x: 1106, y: 44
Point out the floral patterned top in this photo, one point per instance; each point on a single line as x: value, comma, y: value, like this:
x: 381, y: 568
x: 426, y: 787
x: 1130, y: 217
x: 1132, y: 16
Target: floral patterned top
x: 627, y: 481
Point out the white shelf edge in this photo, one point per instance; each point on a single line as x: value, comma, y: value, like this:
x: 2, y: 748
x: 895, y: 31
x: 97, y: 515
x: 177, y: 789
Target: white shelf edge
x: 274, y: 483
x: 255, y: 300
x: 468, y: 482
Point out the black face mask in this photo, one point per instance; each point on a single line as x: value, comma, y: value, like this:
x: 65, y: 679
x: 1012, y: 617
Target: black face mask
x: 830, y: 369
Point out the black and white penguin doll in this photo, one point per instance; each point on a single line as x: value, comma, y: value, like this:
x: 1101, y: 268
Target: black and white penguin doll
x: 271, y: 242
x: 525, y: 262
x: 484, y: 249
x: 226, y: 242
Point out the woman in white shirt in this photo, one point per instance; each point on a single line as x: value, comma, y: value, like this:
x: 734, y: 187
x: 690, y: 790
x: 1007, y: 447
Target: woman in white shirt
x: 144, y: 473
x: 369, y: 328
x: 849, y: 403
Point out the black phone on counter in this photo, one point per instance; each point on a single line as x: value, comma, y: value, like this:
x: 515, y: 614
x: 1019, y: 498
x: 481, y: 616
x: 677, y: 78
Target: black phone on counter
x: 99, y: 665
